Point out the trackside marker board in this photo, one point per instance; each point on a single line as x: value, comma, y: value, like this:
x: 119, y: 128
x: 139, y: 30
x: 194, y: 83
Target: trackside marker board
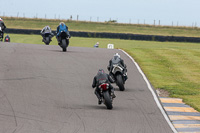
x: 110, y: 46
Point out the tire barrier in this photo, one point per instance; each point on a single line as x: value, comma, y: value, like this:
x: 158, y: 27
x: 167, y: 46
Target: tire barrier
x: 114, y: 35
x: 22, y: 31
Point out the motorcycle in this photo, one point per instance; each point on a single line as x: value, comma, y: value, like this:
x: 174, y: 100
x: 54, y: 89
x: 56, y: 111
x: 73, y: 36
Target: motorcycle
x: 106, y: 96
x: 1, y: 34
x: 119, y: 76
x: 7, y: 38
x: 47, y: 38
x: 64, y: 40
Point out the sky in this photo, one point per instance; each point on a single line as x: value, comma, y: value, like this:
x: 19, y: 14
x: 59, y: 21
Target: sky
x: 167, y: 12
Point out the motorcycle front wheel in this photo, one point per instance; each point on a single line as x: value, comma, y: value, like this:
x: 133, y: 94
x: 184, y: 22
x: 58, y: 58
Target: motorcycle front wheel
x: 47, y: 40
x: 64, y: 45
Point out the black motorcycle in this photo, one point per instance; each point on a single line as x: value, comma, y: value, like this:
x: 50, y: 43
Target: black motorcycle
x: 64, y: 40
x: 119, y: 75
x: 7, y: 38
x: 47, y: 38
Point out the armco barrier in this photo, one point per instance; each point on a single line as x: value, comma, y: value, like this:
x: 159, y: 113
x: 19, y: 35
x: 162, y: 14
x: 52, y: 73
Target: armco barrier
x: 114, y: 35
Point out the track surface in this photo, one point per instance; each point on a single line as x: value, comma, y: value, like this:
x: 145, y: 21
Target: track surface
x: 44, y: 90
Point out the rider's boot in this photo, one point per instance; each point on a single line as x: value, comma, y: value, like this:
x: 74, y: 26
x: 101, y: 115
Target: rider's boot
x: 112, y: 93
x: 99, y: 101
x: 99, y: 97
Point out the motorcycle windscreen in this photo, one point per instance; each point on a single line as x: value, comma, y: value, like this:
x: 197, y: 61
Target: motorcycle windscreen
x: 47, y: 34
x: 63, y: 35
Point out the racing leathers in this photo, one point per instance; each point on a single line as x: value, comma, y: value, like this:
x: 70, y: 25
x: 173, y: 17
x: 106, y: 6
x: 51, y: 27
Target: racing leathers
x: 46, y: 29
x: 62, y: 28
x: 2, y: 28
x: 117, y: 60
x: 98, y: 80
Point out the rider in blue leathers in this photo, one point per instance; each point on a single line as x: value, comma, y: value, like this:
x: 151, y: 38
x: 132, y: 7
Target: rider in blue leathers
x: 61, y: 28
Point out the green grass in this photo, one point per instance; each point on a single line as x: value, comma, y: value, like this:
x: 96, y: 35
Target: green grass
x: 171, y: 66
x: 24, y: 23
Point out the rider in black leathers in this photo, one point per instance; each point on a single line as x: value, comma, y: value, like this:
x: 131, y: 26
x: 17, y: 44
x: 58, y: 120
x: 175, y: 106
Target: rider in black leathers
x: 3, y: 27
x: 100, y: 78
x: 117, y: 60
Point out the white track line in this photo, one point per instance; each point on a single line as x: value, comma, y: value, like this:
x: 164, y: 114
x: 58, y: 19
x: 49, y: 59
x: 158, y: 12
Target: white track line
x: 153, y: 93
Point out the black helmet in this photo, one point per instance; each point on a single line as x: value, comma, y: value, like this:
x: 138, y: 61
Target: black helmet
x: 100, y: 71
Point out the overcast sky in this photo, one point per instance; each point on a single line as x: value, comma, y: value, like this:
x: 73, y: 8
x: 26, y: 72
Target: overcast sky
x: 185, y: 12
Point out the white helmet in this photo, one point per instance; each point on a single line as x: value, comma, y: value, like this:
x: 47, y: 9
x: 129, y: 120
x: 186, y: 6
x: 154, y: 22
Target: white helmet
x: 62, y: 23
x: 116, y: 54
x: 47, y: 27
x: 1, y: 19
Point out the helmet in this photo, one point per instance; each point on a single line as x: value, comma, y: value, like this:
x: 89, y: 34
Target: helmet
x: 116, y: 55
x: 62, y: 23
x: 100, y: 71
x: 47, y: 27
x: 1, y: 19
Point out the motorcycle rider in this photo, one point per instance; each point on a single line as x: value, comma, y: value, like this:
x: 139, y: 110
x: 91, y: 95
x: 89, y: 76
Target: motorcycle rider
x: 62, y: 27
x: 3, y: 27
x: 117, y: 60
x: 100, y: 78
x: 7, y: 38
x: 46, y: 29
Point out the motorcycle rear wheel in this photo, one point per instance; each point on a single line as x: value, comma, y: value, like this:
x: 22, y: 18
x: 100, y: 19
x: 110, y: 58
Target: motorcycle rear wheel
x: 120, y: 82
x: 107, y: 99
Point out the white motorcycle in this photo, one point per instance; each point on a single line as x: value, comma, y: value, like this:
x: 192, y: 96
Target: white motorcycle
x: 119, y: 76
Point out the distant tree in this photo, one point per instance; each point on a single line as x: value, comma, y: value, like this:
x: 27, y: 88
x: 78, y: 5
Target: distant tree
x: 111, y: 21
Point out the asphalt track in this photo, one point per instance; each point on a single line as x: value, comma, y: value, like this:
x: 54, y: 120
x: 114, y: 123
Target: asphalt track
x: 44, y: 90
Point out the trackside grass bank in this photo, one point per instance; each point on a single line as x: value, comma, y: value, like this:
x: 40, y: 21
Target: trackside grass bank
x: 171, y: 66
x: 27, y: 23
